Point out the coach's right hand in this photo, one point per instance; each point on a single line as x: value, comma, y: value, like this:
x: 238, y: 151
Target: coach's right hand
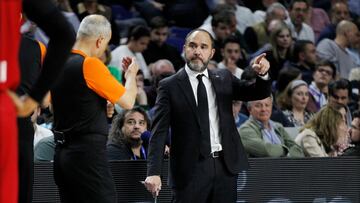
x: 153, y: 184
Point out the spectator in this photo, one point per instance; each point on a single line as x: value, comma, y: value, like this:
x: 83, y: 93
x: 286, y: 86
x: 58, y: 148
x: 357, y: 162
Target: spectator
x: 324, y: 73
x: 339, y: 94
x: 44, y: 150
x: 158, y: 48
x: 125, y: 142
x: 239, y: 117
x: 286, y: 75
x: 354, y: 131
x: 40, y: 131
x: 293, y: 102
x: 162, y: 66
x: 320, y: 135
x: 222, y: 26
x: 141, y: 97
x: 298, y: 11
x: 304, y: 58
x: 232, y: 55
x: 263, y: 137
x: 339, y: 12
x: 354, y: 79
x: 137, y: 42
x: 244, y: 16
x: 225, y: 10
x: 258, y: 35
x: 281, y: 43
x: 347, y: 33
x: 260, y: 10
x: 317, y: 18
x: 160, y: 69
x: 276, y: 115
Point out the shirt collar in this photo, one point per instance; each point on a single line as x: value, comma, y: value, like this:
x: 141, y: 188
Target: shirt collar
x: 271, y: 123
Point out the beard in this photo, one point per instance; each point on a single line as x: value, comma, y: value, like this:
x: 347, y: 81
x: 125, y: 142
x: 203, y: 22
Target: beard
x: 133, y: 142
x: 197, y: 67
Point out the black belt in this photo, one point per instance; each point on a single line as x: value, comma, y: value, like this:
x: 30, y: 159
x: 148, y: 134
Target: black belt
x: 64, y: 138
x: 61, y: 138
x: 216, y: 154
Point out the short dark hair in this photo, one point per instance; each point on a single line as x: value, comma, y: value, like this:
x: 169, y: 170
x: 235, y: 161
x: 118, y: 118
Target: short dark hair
x: 158, y: 22
x: 299, y: 47
x: 291, y: 5
x: 138, y: 31
x: 221, y: 7
x: 231, y: 39
x: 339, y: 84
x: 326, y: 63
x: 222, y: 17
x: 200, y: 30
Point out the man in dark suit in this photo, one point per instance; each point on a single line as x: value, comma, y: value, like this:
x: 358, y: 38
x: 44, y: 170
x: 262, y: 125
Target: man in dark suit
x: 206, y: 150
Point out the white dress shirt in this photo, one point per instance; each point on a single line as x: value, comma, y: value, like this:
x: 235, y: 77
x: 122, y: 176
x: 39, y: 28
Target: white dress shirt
x: 215, y: 137
x: 122, y: 51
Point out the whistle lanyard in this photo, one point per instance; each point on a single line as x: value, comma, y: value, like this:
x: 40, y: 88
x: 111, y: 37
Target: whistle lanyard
x: 142, y: 152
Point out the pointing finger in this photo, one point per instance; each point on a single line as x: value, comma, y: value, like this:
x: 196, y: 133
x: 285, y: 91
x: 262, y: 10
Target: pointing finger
x: 259, y: 58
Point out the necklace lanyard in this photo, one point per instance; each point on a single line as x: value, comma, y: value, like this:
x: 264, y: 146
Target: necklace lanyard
x: 142, y: 152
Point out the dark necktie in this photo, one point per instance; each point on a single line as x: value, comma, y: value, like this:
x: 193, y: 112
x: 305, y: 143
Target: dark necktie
x: 203, y: 111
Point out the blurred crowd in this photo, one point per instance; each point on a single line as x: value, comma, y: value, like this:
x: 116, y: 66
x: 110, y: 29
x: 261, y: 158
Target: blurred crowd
x: 313, y: 48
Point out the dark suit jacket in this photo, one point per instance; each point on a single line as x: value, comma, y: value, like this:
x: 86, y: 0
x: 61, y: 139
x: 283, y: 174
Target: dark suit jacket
x: 176, y: 107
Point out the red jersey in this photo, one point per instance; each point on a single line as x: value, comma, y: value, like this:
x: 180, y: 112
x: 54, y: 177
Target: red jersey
x: 9, y: 43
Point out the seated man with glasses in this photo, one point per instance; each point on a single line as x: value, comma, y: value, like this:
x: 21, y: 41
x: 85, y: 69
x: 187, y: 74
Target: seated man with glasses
x: 324, y: 73
x: 127, y: 135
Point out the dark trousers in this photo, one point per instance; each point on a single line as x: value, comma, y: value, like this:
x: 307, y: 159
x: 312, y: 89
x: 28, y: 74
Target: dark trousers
x: 211, y: 182
x: 81, y: 170
x: 26, y: 159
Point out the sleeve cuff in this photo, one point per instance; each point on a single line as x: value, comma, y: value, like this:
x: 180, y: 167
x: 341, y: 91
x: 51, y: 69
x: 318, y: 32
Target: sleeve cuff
x: 265, y: 77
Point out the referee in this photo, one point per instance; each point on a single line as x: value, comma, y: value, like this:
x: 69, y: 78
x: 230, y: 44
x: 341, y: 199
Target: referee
x: 80, y: 125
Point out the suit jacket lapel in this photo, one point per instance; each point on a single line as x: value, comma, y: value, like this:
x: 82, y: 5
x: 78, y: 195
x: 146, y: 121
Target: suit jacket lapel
x: 216, y: 81
x: 185, y: 86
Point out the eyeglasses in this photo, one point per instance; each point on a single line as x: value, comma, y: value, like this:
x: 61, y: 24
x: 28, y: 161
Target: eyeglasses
x: 133, y: 122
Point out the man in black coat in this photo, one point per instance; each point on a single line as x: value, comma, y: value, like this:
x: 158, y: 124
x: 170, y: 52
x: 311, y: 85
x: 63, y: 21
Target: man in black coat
x: 206, y: 152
